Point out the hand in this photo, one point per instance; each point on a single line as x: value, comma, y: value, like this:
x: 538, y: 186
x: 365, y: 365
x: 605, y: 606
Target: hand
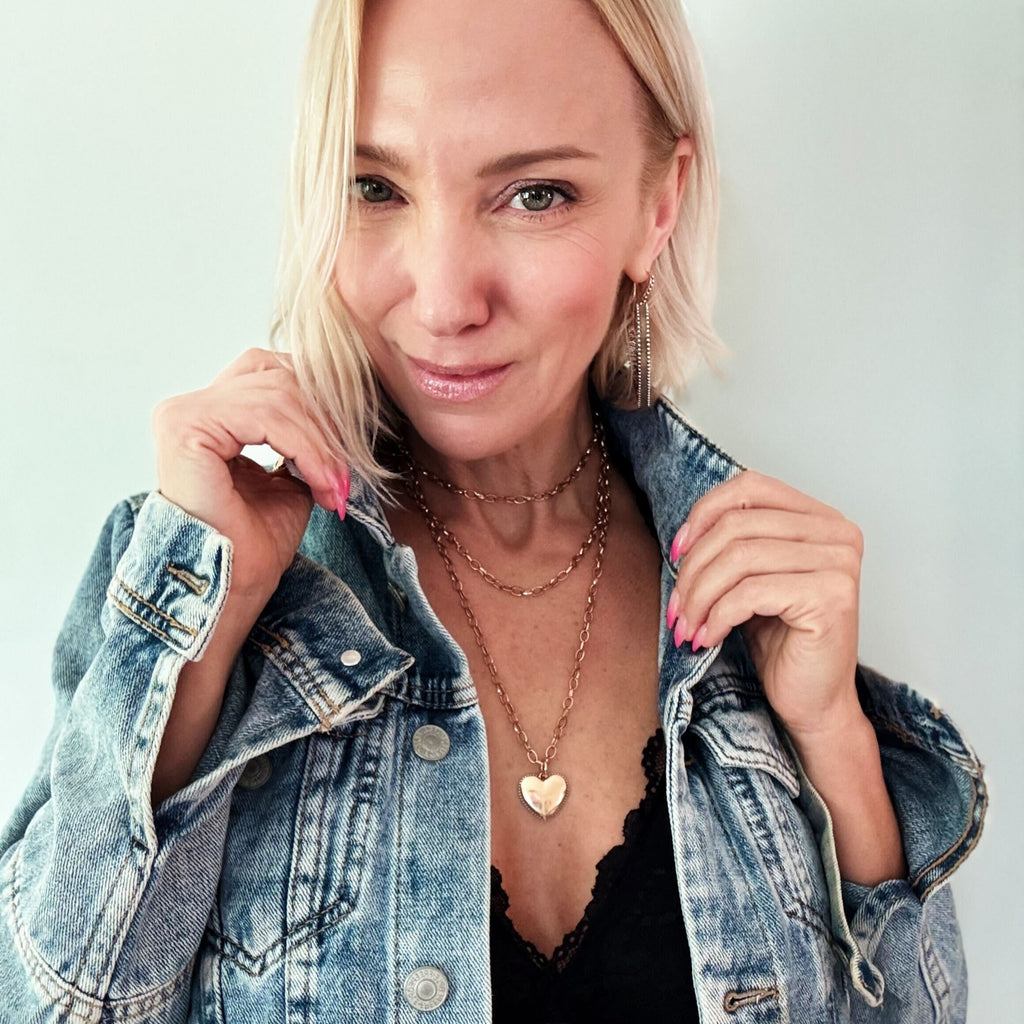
x: 759, y: 553
x: 199, y: 440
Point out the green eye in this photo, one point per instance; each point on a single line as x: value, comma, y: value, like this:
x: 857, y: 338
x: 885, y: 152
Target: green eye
x: 537, y: 198
x: 373, y: 190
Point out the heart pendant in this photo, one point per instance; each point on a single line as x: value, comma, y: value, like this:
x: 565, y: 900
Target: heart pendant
x: 542, y: 796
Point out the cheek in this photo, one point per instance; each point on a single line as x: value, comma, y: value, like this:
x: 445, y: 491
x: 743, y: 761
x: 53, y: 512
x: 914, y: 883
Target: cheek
x: 566, y: 288
x: 358, y: 281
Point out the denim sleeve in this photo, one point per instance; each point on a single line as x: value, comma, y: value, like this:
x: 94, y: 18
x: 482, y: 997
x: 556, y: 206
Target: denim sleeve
x: 901, y: 937
x: 102, y: 903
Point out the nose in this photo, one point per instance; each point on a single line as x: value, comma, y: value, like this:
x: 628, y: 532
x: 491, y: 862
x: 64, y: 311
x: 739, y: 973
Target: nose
x: 446, y: 261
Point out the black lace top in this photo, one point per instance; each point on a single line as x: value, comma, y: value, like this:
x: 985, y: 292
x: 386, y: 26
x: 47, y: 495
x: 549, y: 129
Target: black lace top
x: 627, y: 959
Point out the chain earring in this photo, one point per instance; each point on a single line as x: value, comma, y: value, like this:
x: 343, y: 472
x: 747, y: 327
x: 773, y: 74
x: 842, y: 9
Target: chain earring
x: 642, y: 344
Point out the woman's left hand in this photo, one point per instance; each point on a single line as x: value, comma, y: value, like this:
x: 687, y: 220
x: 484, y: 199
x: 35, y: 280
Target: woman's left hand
x: 759, y: 553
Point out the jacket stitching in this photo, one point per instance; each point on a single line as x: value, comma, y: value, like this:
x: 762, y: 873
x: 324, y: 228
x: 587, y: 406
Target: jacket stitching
x: 965, y: 843
x: 170, y: 619
x: 935, y: 978
x: 737, y: 854
x: 69, y: 996
x: 141, y: 621
x: 255, y: 964
x: 87, y: 943
x: 400, y: 747
x: 197, y: 584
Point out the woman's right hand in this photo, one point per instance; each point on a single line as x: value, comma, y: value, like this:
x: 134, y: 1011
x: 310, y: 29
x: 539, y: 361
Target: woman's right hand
x: 199, y: 439
x: 200, y: 467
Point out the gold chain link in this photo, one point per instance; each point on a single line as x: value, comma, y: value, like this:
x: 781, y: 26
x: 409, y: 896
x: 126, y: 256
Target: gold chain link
x: 510, y: 499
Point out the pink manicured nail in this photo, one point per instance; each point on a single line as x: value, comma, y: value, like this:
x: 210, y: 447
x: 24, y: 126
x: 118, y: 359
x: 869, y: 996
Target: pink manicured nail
x: 341, y: 496
x: 699, y: 638
x: 673, y: 609
x: 678, y: 542
x: 680, y: 634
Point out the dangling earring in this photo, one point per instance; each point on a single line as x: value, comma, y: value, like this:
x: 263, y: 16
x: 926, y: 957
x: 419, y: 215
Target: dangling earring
x: 642, y: 345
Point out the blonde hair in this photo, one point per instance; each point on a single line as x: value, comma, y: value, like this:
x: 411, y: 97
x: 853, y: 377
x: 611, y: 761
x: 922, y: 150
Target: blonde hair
x: 310, y: 321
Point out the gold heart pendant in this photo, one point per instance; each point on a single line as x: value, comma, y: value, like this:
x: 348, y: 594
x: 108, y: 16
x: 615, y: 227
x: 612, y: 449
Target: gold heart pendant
x: 542, y: 796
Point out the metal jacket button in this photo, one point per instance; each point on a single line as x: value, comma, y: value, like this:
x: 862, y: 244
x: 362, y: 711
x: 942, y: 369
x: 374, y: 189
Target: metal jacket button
x: 351, y: 658
x: 426, y: 988
x: 256, y: 773
x: 431, y: 742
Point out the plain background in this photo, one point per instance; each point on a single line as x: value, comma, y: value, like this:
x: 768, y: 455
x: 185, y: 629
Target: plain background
x: 872, y: 271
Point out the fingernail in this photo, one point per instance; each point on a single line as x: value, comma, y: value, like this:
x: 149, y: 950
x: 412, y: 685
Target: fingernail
x: 341, y: 495
x: 699, y: 638
x: 680, y: 634
x: 678, y: 542
x: 673, y: 609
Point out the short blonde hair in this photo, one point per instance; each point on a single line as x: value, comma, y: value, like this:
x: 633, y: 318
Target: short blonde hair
x: 310, y: 321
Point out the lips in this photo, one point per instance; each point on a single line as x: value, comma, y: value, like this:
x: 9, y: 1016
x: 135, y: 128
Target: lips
x: 462, y: 383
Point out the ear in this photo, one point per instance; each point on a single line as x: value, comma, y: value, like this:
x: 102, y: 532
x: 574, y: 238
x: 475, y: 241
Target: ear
x: 661, y: 212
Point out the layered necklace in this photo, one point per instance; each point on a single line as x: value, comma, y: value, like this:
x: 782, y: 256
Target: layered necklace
x: 544, y: 792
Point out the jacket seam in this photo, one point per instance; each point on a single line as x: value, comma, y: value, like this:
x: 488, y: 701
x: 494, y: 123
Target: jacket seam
x: 958, y: 850
x: 68, y: 995
x: 139, y: 620
x: 169, y: 619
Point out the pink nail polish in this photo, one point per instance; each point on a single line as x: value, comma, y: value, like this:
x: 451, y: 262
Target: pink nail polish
x: 341, y: 498
x: 699, y: 638
x: 673, y: 609
x: 678, y: 636
x: 678, y: 542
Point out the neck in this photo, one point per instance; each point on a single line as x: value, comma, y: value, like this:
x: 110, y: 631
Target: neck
x: 535, y: 464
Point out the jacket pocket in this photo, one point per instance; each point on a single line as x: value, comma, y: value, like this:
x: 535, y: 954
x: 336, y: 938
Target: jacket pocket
x: 297, y: 843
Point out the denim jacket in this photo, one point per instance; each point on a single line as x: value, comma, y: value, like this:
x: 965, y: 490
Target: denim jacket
x: 328, y: 861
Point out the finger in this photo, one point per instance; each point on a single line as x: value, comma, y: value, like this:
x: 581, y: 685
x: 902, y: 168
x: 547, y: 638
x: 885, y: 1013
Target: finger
x: 739, y: 528
x: 759, y: 557
x: 809, y: 601
x: 748, y: 490
x: 224, y: 419
x: 738, y: 525
x: 279, y: 388
x: 255, y: 360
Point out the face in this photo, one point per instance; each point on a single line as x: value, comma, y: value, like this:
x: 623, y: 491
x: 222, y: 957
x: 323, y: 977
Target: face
x: 496, y: 207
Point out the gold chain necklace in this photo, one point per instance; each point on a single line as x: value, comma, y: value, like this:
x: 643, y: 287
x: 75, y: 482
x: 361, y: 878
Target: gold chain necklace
x: 511, y: 499
x: 543, y: 793
x: 515, y: 590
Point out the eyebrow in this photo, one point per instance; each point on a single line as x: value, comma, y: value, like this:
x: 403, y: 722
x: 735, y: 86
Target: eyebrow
x: 390, y: 158
x: 514, y: 161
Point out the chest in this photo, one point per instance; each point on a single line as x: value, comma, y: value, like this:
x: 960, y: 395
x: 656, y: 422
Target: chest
x: 591, y: 716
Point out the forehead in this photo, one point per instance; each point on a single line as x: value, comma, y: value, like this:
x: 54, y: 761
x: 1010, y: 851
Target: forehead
x: 538, y: 72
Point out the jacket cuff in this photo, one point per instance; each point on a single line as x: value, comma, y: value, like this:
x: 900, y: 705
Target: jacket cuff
x: 174, y: 577
x: 936, y: 785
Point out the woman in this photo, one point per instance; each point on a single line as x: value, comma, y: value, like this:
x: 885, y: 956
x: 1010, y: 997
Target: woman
x: 377, y: 779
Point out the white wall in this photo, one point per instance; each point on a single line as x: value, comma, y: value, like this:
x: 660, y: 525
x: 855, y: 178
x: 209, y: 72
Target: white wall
x: 871, y: 294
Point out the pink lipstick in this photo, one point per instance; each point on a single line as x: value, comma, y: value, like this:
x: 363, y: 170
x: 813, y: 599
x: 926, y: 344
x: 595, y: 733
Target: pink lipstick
x: 457, y: 383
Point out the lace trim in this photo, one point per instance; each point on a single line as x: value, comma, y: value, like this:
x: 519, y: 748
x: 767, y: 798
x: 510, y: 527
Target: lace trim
x: 609, y: 867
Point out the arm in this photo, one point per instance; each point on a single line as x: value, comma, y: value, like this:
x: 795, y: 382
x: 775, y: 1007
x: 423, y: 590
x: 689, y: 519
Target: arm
x: 109, y: 867
x: 757, y: 554
x: 88, y: 872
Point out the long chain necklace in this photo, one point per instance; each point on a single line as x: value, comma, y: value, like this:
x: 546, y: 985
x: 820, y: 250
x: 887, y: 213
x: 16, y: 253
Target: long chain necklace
x: 544, y: 792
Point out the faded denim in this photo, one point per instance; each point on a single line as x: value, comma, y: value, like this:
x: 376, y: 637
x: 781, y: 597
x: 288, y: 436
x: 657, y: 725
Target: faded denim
x: 314, y: 860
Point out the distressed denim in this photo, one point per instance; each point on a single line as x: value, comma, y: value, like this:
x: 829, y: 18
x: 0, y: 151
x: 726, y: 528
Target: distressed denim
x: 315, y: 860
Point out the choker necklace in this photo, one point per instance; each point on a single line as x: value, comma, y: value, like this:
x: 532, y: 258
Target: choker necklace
x: 544, y: 792
x: 437, y: 526
x: 511, y: 499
